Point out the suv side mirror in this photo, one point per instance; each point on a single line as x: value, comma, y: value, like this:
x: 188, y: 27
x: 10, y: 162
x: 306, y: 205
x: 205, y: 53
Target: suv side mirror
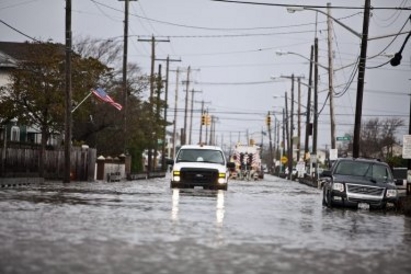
x: 326, y: 173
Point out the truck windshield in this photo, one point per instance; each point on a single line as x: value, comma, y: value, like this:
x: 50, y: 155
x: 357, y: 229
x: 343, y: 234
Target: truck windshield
x: 200, y: 155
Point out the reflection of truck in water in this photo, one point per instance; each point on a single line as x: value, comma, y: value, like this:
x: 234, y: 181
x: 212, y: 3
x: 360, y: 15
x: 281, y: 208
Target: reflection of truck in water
x: 247, y: 162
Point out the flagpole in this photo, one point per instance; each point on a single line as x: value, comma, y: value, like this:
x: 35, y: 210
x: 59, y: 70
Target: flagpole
x: 82, y: 101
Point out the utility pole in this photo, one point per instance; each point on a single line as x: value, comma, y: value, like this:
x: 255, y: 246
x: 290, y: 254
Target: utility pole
x: 153, y: 41
x: 299, y: 119
x: 125, y: 53
x: 284, y: 131
x: 292, y: 77
x: 270, y: 141
x: 186, y: 107
x: 360, y: 83
x: 206, y: 127
x: 308, y: 128
x: 330, y: 77
x: 168, y: 60
x: 203, y: 113
x: 191, y: 113
x: 290, y: 163
x: 67, y: 139
x: 175, y: 114
x: 315, y: 105
x: 157, y: 118
x: 212, y: 130
x: 289, y: 152
x: 201, y: 122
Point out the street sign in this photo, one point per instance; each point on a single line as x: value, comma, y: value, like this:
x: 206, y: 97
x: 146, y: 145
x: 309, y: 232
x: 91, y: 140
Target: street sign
x: 284, y: 160
x: 344, y: 138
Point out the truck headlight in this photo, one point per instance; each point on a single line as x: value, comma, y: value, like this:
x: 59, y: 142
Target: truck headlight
x: 338, y: 187
x: 391, y: 193
x: 176, y: 176
x: 222, y: 178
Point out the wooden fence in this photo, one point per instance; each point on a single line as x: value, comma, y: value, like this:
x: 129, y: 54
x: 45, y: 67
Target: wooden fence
x: 24, y: 162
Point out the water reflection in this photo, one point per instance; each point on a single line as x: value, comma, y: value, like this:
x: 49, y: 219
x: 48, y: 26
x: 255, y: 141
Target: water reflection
x: 174, y: 206
x: 219, y: 208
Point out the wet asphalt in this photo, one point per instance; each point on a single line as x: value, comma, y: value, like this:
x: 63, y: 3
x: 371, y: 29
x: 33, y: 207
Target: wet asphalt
x: 267, y: 226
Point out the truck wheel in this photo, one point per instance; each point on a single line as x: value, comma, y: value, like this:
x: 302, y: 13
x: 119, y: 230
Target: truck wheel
x: 223, y: 187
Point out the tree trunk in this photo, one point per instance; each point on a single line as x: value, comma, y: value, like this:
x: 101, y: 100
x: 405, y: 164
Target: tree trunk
x: 44, y: 137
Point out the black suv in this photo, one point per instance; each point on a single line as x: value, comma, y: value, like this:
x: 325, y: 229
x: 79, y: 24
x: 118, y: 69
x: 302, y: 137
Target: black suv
x: 359, y: 182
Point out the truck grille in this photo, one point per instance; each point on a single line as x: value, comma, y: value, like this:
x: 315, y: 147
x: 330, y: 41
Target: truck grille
x: 365, y: 190
x: 198, y: 175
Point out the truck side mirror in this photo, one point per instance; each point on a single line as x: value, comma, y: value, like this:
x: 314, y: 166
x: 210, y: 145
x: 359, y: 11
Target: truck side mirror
x: 231, y: 165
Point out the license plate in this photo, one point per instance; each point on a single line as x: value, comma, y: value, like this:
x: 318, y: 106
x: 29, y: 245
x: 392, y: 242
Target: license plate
x: 363, y: 206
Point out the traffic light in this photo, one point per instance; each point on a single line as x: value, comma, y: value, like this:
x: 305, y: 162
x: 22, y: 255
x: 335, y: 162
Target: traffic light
x: 268, y: 120
x: 203, y: 119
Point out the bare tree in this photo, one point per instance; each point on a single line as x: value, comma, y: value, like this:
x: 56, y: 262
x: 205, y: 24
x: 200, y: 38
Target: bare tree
x: 379, y: 136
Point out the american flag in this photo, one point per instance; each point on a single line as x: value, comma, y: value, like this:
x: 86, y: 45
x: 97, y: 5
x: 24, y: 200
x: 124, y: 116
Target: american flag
x: 103, y: 96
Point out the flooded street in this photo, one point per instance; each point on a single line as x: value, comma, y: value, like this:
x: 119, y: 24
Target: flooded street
x: 269, y: 226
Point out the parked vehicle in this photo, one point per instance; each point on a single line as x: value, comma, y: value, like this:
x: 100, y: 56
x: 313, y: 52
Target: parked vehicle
x: 247, y: 161
x: 362, y: 183
x: 293, y: 173
x: 400, y: 176
x: 198, y: 165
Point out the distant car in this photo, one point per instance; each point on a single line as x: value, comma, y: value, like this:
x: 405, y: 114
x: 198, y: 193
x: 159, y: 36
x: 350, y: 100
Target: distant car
x: 198, y: 165
x: 293, y: 174
x: 265, y: 168
x: 360, y: 183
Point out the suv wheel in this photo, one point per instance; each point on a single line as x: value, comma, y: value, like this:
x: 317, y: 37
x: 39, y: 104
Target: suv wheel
x: 327, y: 199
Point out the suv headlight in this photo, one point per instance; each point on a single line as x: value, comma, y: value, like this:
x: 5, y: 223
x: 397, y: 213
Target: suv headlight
x: 391, y: 193
x: 338, y: 187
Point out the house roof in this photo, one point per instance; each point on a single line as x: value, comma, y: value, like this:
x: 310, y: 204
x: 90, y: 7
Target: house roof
x: 11, y: 52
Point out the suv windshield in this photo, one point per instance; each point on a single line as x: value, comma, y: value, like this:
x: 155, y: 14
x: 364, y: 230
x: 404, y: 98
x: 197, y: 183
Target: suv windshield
x: 373, y: 171
x: 200, y: 155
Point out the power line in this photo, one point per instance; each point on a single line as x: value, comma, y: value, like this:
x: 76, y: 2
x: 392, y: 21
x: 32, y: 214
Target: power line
x: 16, y: 30
x: 233, y: 35
x: 311, y: 6
x: 213, y: 29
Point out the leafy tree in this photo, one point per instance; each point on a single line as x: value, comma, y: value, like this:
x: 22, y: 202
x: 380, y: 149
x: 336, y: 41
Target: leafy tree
x: 105, y: 131
x: 36, y: 93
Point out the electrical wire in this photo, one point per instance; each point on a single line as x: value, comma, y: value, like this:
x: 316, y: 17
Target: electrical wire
x: 391, y: 18
x: 231, y: 35
x: 18, y: 4
x: 209, y: 28
x: 18, y: 31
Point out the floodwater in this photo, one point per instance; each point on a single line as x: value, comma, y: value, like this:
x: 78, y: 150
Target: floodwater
x: 269, y: 226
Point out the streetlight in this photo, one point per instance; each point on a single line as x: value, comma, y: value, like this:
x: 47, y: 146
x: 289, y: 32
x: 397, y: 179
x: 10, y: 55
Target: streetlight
x: 281, y: 53
x: 361, y: 67
x: 294, y: 9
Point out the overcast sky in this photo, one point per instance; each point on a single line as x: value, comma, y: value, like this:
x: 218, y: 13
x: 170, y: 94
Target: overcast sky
x: 231, y: 49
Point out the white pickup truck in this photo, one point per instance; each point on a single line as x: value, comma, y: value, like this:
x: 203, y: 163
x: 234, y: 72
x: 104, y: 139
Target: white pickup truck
x: 200, y: 165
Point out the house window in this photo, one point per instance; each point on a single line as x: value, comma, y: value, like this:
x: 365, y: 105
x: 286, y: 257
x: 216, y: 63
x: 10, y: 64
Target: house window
x: 15, y: 134
x: 31, y: 137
